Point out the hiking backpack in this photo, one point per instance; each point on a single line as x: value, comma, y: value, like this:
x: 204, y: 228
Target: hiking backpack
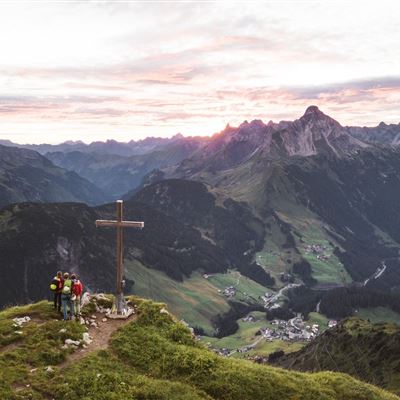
x: 67, y: 287
x: 54, y: 284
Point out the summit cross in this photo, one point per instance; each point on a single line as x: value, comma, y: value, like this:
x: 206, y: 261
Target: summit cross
x: 119, y: 223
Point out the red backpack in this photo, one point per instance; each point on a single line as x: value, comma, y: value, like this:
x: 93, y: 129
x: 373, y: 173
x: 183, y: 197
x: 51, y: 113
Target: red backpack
x: 77, y: 288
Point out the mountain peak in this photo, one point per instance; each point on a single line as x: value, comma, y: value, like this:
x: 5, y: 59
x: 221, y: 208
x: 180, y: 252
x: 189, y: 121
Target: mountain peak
x: 314, y: 110
x: 314, y: 114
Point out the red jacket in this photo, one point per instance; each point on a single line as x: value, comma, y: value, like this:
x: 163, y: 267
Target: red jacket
x: 60, y: 283
x: 77, y: 287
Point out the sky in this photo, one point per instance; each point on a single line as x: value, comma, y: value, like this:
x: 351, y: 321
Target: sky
x: 88, y: 70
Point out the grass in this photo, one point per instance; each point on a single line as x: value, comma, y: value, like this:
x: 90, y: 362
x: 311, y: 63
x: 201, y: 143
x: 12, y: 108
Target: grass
x: 273, y: 257
x: 379, y: 314
x: 39, y: 344
x: 320, y: 319
x: 244, y: 336
x: 265, y: 348
x: 324, y: 271
x: 196, y: 300
x: 276, y: 259
x: 156, y: 357
x: 246, y: 289
x: 42, y: 309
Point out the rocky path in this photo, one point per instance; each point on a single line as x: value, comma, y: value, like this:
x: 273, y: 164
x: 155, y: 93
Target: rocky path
x: 100, y: 336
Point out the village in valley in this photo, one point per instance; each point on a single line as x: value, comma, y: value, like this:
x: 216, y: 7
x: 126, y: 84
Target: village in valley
x: 295, y: 331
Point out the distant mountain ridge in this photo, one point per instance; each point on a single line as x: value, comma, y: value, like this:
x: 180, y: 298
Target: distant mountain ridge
x: 126, y: 149
x: 116, y: 174
x: 25, y: 175
x: 382, y: 134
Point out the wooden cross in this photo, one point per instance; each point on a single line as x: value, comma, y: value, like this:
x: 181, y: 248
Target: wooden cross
x: 120, y: 224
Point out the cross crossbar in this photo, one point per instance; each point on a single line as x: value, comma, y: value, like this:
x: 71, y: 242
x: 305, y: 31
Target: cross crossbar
x: 127, y: 224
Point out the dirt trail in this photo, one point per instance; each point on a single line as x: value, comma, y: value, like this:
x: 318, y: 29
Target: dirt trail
x: 10, y: 347
x: 100, y: 337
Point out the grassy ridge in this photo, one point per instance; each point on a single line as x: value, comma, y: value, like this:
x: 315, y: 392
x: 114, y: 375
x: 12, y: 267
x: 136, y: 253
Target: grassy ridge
x: 155, y: 358
x: 379, y: 314
x: 367, y: 351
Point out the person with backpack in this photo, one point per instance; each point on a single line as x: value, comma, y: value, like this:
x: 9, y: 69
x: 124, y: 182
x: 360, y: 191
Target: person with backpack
x: 77, y: 289
x: 66, y: 295
x: 56, y: 286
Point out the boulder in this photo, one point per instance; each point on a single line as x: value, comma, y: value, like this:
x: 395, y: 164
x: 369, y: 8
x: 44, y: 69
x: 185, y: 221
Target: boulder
x: 18, y: 322
x: 73, y: 343
x: 85, y: 300
x: 86, y: 338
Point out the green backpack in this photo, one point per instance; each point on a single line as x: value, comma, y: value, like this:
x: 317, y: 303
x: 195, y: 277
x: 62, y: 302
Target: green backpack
x: 67, y: 287
x: 54, y: 284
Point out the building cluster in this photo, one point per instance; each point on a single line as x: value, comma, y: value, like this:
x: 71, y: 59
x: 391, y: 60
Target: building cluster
x: 318, y: 250
x: 294, y: 330
x: 249, y: 318
x: 332, y: 323
x: 229, y: 292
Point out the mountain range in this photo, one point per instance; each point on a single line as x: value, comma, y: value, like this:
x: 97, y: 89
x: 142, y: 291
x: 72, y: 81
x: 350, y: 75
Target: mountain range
x: 309, y: 201
x: 110, y: 146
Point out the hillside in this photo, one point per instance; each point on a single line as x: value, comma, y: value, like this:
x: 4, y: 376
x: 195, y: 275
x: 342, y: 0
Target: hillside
x: 35, y: 365
x: 367, y: 351
x: 353, y: 198
x: 230, y: 225
x: 346, y: 206
x: 38, y: 239
x: 25, y: 175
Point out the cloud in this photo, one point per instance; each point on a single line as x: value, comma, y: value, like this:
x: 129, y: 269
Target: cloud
x: 132, y: 69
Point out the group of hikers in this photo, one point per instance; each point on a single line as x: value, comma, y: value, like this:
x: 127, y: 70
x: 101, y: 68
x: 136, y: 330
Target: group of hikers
x: 67, y: 290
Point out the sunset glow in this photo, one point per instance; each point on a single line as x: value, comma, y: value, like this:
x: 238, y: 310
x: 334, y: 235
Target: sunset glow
x: 126, y: 70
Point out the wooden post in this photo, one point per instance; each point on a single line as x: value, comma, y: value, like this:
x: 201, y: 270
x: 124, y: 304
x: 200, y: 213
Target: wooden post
x: 120, y: 256
x: 120, y: 224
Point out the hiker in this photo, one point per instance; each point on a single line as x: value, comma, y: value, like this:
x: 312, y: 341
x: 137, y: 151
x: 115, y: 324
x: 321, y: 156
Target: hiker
x: 56, y: 287
x: 77, y: 289
x: 66, y: 295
